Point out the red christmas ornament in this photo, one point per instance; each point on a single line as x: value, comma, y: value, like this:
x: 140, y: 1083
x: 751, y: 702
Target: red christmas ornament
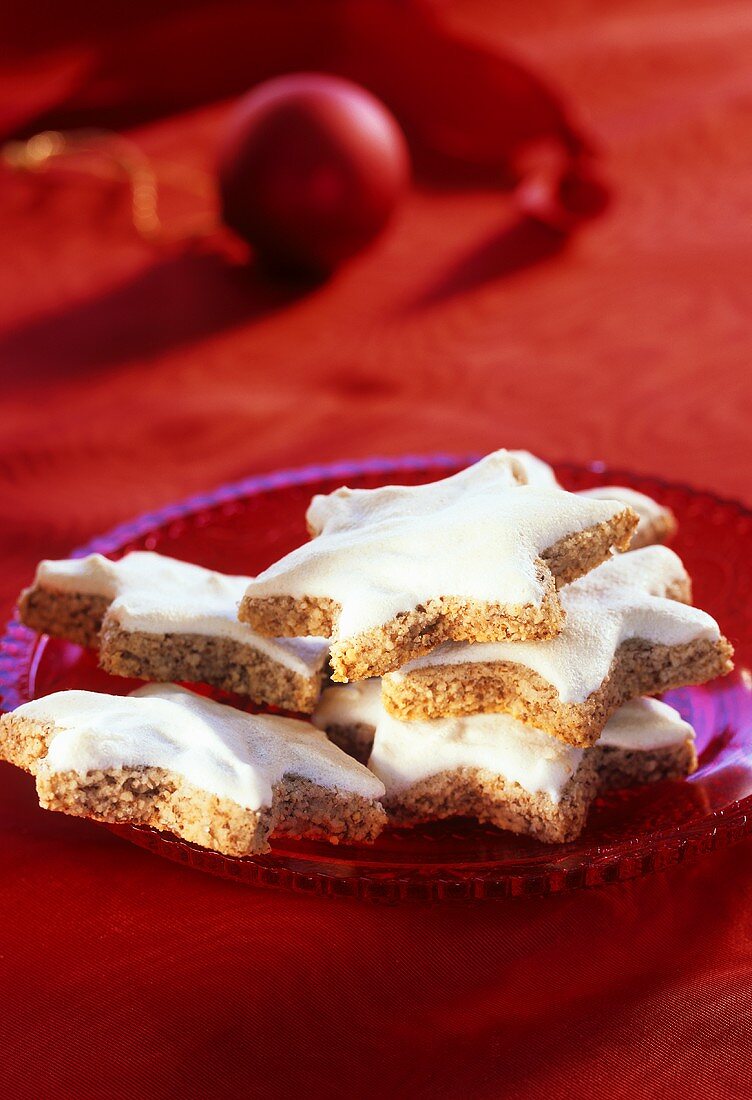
x: 311, y: 168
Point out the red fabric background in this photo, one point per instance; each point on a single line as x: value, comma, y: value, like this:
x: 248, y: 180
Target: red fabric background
x: 132, y: 377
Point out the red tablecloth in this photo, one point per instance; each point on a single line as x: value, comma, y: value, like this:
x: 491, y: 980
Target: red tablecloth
x: 133, y: 376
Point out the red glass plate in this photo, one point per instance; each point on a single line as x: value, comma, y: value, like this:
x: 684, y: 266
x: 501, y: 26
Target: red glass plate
x: 241, y: 528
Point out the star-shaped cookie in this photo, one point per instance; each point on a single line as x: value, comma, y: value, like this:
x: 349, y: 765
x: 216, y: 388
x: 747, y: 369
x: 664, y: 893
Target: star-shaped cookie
x: 156, y: 618
x: 391, y: 573
x: 498, y: 770
x: 629, y: 631
x: 177, y: 761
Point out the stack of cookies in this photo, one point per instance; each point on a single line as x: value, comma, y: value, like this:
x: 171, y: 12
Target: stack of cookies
x: 478, y: 646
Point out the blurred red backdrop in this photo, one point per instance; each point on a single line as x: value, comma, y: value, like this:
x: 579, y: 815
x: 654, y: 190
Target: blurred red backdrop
x: 134, y: 375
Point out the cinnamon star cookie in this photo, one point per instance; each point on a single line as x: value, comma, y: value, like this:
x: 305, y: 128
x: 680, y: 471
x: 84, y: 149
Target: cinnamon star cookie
x: 176, y: 761
x: 155, y: 618
x: 495, y: 769
x: 629, y: 631
x: 392, y: 573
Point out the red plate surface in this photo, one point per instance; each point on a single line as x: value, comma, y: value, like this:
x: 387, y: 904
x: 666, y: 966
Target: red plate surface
x: 241, y: 528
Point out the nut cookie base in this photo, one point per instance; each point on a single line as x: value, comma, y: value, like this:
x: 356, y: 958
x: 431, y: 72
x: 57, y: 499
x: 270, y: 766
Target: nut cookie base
x: 159, y: 799
x: 164, y: 800
x: 503, y: 687
x: 655, y: 531
x: 290, y: 616
x: 201, y: 658
x: 618, y: 767
x: 74, y: 616
x: 24, y: 742
x: 493, y: 800
x: 582, y: 551
x: 189, y: 658
x: 415, y: 633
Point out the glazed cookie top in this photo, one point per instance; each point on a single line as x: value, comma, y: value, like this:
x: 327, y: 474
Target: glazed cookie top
x: 404, y: 753
x: 476, y: 536
x: 624, y: 598
x: 644, y: 725
x: 538, y: 472
x: 161, y: 595
x: 347, y: 508
x: 217, y: 748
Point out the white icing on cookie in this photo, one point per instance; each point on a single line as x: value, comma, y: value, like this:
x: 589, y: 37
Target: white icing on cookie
x: 404, y: 753
x: 622, y: 599
x: 474, y: 536
x: 217, y: 748
x: 540, y: 474
x: 644, y: 725
x: 357, y: 703
x: 160, y: 595
x: 347, y: 508
x: 537, y: 472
